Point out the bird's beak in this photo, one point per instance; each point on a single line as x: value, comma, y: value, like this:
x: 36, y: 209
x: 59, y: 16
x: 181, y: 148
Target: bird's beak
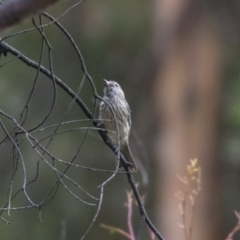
x: 105, y: 82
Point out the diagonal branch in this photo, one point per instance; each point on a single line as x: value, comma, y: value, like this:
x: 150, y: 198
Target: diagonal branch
x: 14, y: 11
x: 4, y: 47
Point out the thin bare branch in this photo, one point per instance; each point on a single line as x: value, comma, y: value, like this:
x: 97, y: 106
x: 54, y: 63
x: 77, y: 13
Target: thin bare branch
x: 12, y: 12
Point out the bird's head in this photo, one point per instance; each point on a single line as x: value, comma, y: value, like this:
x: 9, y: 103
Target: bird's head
x: 112, y: 88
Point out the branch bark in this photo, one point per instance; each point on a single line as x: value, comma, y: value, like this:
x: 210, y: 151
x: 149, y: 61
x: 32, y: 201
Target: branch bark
x: 5, y: 48
x: 14, y: 11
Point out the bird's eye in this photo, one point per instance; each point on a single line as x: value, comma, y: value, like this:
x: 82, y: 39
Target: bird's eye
x: 116, y: 85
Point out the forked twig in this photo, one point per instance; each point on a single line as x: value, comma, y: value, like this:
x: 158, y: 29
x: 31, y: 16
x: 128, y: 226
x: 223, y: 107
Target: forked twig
x: 42, y: 151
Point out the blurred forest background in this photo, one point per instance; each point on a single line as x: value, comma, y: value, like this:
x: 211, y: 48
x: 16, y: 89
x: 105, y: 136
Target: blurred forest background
x: 178, y: 63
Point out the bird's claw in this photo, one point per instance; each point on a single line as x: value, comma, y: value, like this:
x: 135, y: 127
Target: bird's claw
x: 116, y: 149
x: 99, y: 125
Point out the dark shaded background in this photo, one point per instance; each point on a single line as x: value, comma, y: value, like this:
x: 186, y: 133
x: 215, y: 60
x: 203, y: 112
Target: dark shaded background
x: 178, y: 63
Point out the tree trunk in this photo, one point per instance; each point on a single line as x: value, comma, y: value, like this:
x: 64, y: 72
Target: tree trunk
x: 186, y: 90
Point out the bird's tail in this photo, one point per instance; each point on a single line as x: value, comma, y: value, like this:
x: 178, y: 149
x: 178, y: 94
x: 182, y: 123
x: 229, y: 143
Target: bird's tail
x: 125, y: 150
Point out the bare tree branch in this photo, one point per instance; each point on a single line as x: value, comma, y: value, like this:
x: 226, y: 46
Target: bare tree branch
x: 4, y: 47
x: 15, y: 11
x: 10, y: 13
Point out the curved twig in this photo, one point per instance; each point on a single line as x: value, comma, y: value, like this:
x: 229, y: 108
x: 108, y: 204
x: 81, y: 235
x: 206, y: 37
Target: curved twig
x: 102, y: 132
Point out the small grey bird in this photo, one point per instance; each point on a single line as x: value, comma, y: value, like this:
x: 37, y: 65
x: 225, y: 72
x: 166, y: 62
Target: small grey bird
x: 114, y: 96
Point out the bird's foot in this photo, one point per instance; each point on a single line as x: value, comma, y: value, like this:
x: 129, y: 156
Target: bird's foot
x: 99, y: 125
x: 116, y: 150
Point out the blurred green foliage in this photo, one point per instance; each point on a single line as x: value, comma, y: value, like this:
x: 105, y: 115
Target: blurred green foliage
x: 115, y: 38
x: 110, y: 35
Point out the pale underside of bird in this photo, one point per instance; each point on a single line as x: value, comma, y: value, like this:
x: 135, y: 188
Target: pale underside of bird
x: 115, y: 115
